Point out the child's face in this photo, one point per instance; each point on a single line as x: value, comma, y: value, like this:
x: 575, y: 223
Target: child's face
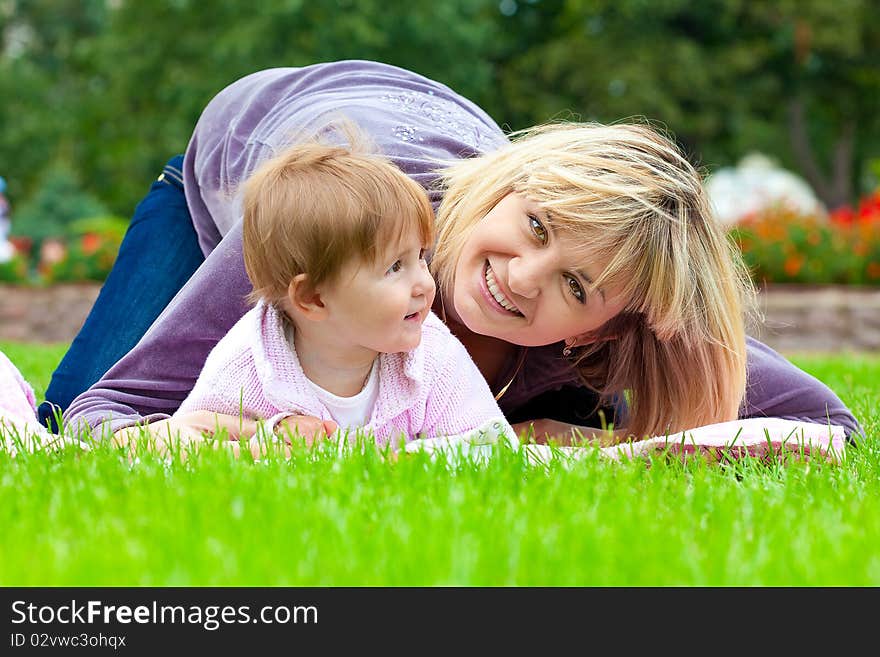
x: 381, y: 306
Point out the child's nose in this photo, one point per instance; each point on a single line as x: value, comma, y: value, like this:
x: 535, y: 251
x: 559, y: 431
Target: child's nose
x: 424, y: 283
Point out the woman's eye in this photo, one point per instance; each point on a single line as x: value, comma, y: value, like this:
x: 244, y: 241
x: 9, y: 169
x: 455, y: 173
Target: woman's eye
x: 575, y: 288
x: 538, y: 229
x: 396, y: 267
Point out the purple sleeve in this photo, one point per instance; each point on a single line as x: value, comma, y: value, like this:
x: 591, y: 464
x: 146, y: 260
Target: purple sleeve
x: 152, y: 380
x: 776, y: 388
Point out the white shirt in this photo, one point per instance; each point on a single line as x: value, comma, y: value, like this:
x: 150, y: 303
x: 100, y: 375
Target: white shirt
x: 351, y: 412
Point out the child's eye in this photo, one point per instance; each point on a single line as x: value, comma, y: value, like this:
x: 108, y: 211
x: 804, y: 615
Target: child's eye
x: 421, y: 254
x: 575, y: 288
x: 396, y: 267
x: 538, y: 229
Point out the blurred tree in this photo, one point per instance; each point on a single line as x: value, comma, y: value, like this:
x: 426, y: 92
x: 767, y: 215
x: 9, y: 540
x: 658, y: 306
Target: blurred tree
x: 41, y: 83
x: 826, y: 55
x: 57, y: 204
x: 159, y: 63
x: 797, y: 79
x: 114, y: 87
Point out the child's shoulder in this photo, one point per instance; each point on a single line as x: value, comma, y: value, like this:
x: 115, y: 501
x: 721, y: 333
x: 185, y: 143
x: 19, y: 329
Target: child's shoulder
x: 434, y: 324
x: 439, y: 345
x: 436, y: 335
x: 239, y: 340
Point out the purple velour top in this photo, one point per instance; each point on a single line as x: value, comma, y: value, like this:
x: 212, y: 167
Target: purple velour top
x: 418, y: 124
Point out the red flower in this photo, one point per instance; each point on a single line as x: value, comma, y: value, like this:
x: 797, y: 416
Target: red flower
x: 22, y: 244
x: 843, y: 215
x: 869, y: 209
x: 90, y: 243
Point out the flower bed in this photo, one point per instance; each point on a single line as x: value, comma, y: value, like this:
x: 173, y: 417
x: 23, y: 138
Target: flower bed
x: 87, y: 253
x: 781, y: 245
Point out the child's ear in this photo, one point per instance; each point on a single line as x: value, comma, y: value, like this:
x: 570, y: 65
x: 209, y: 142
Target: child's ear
x: 305, y: 299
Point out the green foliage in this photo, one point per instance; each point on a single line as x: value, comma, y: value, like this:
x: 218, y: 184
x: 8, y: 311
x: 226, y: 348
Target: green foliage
x: 723, y: 75
x: 141, y: 86
x: 14, y: 270
x: 45, y: 84
x: 86, y: 253
x: 108, y: 226
x: 59, y: 201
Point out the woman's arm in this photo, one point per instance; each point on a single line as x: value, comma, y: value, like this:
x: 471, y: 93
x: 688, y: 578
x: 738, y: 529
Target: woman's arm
x: 547, y: 430
x: 776, y: 388
x: 150, y: 382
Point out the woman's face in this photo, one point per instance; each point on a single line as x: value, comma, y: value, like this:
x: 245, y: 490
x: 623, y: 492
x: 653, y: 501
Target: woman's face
x: 521, y: 280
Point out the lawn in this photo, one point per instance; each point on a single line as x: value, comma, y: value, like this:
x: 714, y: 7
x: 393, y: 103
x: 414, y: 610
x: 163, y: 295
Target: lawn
x: 94, y: 519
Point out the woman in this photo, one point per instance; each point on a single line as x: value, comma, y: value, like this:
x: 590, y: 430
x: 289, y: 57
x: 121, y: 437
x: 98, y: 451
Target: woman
x: 579, y: 265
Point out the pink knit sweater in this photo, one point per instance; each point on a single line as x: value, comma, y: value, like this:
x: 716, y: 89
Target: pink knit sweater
x: 433, y: 390
x: 18, y: 417
x: 17, y: 400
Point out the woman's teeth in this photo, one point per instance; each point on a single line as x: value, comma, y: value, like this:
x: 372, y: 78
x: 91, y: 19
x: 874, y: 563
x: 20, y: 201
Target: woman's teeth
x: 496, y: 292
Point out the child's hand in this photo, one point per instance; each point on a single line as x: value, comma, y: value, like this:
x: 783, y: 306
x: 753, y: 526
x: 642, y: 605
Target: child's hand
x: 183, y: 429
x: 311, y: 428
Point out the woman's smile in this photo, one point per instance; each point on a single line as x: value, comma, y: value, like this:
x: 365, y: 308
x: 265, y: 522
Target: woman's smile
x: 496, y: 297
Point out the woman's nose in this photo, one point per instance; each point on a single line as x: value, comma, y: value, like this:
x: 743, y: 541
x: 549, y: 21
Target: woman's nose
x: 524, y: 276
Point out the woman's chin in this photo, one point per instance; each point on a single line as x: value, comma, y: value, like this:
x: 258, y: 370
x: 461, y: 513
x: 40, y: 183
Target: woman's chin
x: 494, y: 330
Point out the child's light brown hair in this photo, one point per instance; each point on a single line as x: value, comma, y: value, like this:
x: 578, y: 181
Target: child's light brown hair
x: 314, y: 207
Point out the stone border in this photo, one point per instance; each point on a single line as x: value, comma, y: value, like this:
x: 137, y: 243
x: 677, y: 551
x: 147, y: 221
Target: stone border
x: 832, y: 318
x: 45, y: 314
x: 796, y: 318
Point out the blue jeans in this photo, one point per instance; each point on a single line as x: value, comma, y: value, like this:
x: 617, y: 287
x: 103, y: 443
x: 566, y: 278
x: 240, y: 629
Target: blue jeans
x: 158, y: 255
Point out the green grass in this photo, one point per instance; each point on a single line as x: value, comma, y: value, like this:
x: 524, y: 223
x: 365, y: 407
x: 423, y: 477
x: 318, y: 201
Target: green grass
x: 92, y: 519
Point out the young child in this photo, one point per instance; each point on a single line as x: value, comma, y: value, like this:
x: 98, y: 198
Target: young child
x: 19, y: 428
x: 334, y: 242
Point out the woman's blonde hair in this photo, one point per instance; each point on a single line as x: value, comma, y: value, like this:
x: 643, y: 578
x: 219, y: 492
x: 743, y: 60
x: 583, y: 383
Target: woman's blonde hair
x: 626, y: 193
x: 316, y: 206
